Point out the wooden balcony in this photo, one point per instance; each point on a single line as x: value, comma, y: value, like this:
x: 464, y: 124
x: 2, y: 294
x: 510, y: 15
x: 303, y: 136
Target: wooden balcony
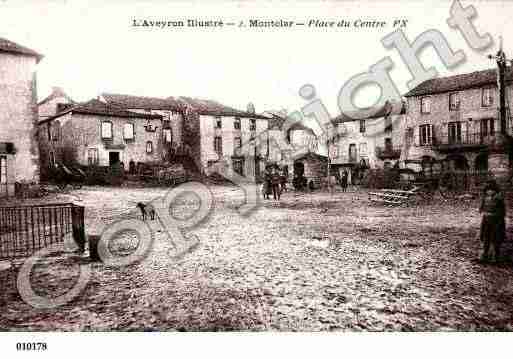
x: 388, y: 152
x: 467, y: 141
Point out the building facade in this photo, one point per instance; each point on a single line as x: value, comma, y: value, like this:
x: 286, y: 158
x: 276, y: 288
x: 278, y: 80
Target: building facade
x: 57, y: 101
x: 371, y: 142
x: 19, y: 153
x: 234, y: 139
x: 455, y: 120
x: 289, y: 142
x: 96, y: 134
x: 204, y: 132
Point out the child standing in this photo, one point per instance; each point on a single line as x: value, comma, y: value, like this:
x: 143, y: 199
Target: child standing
x: 493, y: 223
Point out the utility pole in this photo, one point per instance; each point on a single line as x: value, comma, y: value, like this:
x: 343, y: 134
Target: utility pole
x: 501, y: 60
x: 499, y: 156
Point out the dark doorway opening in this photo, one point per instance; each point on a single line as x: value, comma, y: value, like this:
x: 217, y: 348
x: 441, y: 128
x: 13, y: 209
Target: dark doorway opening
x: 481, y: 163
x: 299, y: 169
x: 113, y: 158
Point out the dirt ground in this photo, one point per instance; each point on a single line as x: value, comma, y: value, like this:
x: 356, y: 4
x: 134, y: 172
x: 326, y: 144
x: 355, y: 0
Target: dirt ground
x: 311, y: 262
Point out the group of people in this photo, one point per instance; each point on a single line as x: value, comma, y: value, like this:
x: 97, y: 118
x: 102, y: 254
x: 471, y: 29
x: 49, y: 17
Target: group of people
x: 275, y: 182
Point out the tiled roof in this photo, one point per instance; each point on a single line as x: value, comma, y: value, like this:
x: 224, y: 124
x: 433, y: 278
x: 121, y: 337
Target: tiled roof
x: 213, y: 108
x: 312, y: 155
x: 277, y: 120
x: 389, y: 108
x: 12, y: 47
x: 143, y: 102
x: 99, y: 108
x: 458, y: 82
x: 203, y: 107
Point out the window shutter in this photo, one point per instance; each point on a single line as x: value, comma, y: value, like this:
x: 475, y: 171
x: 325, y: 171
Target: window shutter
x: 416, y: 139
x: 431, y: 138
x: 464, y: 131
x: 444, y: 133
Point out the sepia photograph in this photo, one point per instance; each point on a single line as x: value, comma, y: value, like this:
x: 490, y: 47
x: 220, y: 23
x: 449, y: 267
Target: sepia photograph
x: 337, y: 169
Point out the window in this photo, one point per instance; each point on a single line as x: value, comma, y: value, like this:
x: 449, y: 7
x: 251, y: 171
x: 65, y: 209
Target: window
x: 409, y: 135
x: 487, y: 127
x: 252, y: 124
x: 363, y: 148
x: 388, y: 144
x: 218, y: 145
x: 219, y: 123
x: 352, y: 152
x: 3, y: 169
x: 487, y: 97
x: 237, y: 142
x: 128, y: 131
x: 454, y: 102
x: 236, y: 123
x: 425, y: 135
x: 362, y: 126
x: 52, y: 159
x: 454, y: 132
x: 92, y: 156
x: 388, y: 124
x: 238, y: 166
x: 107, y: 130
x: 425, y: 105
x: 56, y: 131
x: 149, y: 147
x: 168, y: 135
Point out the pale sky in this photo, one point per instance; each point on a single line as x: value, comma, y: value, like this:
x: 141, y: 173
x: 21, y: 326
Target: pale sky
x: 91, y: 47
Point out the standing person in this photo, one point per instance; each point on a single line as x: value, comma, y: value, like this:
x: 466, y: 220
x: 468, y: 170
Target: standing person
x: 493, y: 223
x: 275, y: 182
x: 283, y: 180
x: 343, y: 181
x: 267, y: 184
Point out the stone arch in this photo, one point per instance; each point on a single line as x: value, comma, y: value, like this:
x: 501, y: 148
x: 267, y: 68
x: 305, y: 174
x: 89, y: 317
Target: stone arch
x: 481, y: 162
x: 457, y: 162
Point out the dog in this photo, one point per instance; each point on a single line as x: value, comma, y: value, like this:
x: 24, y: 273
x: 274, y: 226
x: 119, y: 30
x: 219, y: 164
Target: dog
x: 146, y: 209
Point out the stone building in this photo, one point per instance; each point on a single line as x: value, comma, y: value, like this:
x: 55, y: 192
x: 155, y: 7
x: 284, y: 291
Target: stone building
x: 95, y: 133
x: 19, y: 155
x: 372, y: 142
x: 57, y: 101
x: 312, y: 166
x: 454, y: 120
x: 288, y: 141
x: 230, y: 136
x: 172, y: 113
x: 204, y: 132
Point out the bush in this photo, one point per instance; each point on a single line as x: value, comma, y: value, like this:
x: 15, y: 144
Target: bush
x: 96, y: 175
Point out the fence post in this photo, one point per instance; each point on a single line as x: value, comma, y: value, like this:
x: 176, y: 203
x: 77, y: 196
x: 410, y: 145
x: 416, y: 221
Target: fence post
x: 77, y: 218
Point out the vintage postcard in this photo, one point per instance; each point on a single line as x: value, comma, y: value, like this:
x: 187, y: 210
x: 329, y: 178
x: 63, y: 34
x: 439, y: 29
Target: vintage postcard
x: 254, y: 166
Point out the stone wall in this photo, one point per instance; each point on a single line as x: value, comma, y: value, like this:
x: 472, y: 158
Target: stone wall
x: 228, y: 133
x: 18, y: 101
x: 49, y: 108
x: 81, y: 132
x: 470, y: 113
x: 367, y: 142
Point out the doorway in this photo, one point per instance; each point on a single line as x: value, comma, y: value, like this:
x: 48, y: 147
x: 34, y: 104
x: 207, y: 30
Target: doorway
x: 113, y: 158
x: 454, y: 134
x: 299, y: 169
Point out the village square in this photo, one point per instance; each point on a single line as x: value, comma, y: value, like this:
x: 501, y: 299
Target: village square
x: 127, y: 212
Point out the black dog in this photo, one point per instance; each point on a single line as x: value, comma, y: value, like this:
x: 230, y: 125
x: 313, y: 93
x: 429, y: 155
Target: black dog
x: 146, y: 209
